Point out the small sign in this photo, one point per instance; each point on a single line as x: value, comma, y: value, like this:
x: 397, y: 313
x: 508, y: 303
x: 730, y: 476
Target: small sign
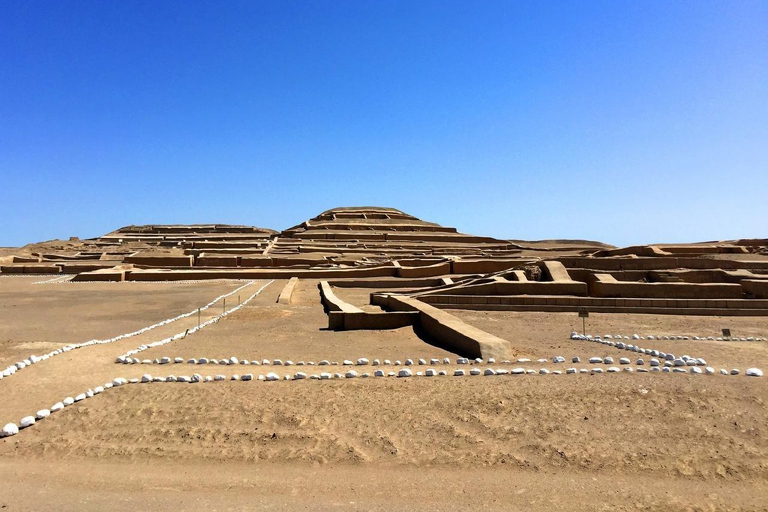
x: 583, y: 313
x: 726, y: 333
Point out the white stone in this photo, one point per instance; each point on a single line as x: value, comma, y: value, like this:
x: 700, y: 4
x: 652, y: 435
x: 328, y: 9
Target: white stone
x: 624, y: 360
x: 57, y: 407
x: 570, y: 370
x: 378, y: 373
x: 409, y: 362
x: 735, y: 371
x: 351, y: 374
x: 299, y: 375
x: 576, y: 360
x: 10, y: 429
x: 247, y: 376
x: 80, y: 397
x: 475, y: 371
x: 459, y: 373
x: 27, y: 421
x: 362, y: 361
x: 462, y: 360
x: 558, y: 359
x: 347, y: 362
x: 489, y: 371
x: 595, y: 360
x: 543, y: 371
x: 271, y: 376
x: 754, y: 372
x: 405, y: 372
x: 430, y: 372
x: 146, y: 378
x: 518, y: 371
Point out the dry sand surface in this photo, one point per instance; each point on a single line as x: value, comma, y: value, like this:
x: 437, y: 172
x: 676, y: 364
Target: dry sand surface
x: 554, y: 442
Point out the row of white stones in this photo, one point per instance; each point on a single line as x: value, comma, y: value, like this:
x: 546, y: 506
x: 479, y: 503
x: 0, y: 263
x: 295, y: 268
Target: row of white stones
x: 12, y: 429
x: 125, y: 357
x: 669, y: 360
x: 680, y: 337
x: 325, y: 362
x: 33, y: 359
x: 634, y: 348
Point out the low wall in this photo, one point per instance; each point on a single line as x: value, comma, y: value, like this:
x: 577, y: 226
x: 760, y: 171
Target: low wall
x: 216, y: 260
x: 484, y: 266
x: 387, y: 283
x: 365, y: 320
x: 626, y: 289
x: 447, y: 329
x: 333, y: 303
x: 106, y: 274
x: 708, y: 307
x: 757, y: 288
x: 287, y: 294
x: 40, y: 268
x: 167, y: 260
x: 516, y: 288
x: 660, y: 263
x: 555, y: 271
x: 425, y: 271
x: 192, y: 274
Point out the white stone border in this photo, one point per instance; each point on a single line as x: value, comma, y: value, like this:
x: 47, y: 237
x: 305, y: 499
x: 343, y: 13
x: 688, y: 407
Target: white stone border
x: 11, y: 429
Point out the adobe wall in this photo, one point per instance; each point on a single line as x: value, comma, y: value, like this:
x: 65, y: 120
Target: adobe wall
x: 555, y: 271
x: 106, y: 274
x: 627, y: 289
x: 39, y: 268
x: 757, y: 288
x: 193, y: 274
x: 365, y: 320
x: 287, y: 294
x: 708, y: 307
x: 662, y: 263
x: 516, y: 288
x: 216, y: 260
x: 165, y: 260
x: 484, y: 266
x: 426, y: 271
x: 447, y: 329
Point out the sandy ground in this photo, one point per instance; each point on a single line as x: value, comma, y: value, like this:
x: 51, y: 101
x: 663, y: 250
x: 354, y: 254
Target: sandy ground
x: 537, y: 335
x: 576, y: 442
x: 297, y: 332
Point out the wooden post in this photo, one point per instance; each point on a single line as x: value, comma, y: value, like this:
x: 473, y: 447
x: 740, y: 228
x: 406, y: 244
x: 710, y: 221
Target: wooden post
x: 198, y: 318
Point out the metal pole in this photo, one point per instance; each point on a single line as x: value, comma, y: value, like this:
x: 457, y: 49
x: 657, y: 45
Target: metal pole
x: 584, y: 326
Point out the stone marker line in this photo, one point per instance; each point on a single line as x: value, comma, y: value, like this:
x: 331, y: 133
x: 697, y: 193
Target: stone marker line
x: 33, y: 359
x: 676, y: 337
x: 122, y: 358
x: 11, y: 429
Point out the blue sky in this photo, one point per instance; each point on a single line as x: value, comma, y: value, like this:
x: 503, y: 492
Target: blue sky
x: 627, y: 122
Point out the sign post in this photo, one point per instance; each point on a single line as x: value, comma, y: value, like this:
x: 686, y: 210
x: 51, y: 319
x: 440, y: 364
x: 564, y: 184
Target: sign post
x: 198, y: 318
x: 726, y: 333
x: 583, y: 314
x: 224, y: 306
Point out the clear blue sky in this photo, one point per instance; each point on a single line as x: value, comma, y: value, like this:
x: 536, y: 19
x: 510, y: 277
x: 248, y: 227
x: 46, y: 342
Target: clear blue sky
x: 623, y: 121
